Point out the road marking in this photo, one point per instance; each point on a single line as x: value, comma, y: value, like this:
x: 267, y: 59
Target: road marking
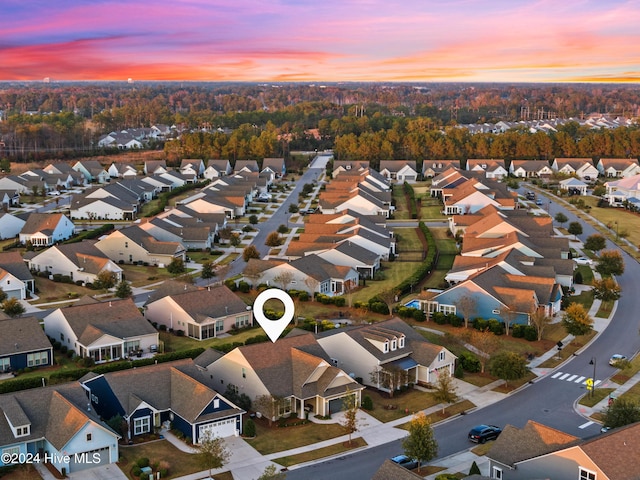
x: 585, y: 425
x: 580, y: 379
x: 571, y: 378
x: 564, y: 376
x: 557, y: 375
x: 596, y: 383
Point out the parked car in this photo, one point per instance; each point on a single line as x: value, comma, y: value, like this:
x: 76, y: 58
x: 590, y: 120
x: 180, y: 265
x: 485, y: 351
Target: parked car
x: 583, y: 261
x: 482, y: 433
x: 539, y: 201
x: 405, y: 461
x: 616, y: 358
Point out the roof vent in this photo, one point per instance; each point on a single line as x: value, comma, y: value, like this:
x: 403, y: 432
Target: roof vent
x: 109, y: 303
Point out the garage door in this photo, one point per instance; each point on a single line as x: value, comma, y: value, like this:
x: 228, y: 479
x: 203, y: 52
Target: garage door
x: 336, y: 405
x: 90, y: 459
x: 221, y: 428
x: 14, y: 294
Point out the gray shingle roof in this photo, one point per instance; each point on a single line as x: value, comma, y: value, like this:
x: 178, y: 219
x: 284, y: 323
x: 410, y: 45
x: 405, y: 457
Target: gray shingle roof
x: 214, y: 302
x: 22, y: 334
x: 13, y: 263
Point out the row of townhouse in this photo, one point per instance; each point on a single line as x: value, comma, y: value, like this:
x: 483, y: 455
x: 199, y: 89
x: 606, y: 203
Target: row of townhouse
x: 510, y: 265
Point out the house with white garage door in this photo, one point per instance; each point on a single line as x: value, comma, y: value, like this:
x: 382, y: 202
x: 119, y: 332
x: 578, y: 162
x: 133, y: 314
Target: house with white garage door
x: 172, y: 395
x: 15, y: 278
x: 59, y: 421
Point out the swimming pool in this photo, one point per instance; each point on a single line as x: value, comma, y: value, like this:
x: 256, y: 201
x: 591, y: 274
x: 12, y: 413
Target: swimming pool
x: 413, y: 304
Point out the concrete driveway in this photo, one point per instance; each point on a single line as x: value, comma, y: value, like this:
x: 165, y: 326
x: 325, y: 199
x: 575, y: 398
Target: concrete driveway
x: 106, y: 472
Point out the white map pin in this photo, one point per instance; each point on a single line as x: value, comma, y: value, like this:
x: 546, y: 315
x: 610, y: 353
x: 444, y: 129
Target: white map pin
x: 273, y: 328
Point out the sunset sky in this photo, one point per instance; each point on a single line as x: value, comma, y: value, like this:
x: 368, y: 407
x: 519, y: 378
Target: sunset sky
x: 326, y: 40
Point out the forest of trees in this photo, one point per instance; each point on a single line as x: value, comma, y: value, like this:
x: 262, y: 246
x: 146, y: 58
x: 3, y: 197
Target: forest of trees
x: 370, y: 121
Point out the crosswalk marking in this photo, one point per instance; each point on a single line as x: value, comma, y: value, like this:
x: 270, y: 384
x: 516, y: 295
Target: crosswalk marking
x: 570, y: 377
x: 585, y: 425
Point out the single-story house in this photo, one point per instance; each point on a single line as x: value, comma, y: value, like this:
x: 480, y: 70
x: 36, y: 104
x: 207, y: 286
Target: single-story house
x: 10, y: 225
x: 201, y: 314
x: 103, y: 331
x: 15, y: 278
x: 45, y: 229
x: 171, y: 394
x: 23, y: 344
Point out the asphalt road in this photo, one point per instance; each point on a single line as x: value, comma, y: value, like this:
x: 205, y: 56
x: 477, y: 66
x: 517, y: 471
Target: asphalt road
x: 548, y: 400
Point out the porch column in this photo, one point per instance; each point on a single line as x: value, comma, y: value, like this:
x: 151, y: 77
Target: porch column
x: 301, y: 409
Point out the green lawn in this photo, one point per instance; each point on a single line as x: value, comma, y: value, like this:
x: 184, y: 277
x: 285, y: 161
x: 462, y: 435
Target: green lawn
x: 140, y: 275
x: 277, y: 439
x: 334, y: 449
x: 50, y: 291
x: 402, y: 404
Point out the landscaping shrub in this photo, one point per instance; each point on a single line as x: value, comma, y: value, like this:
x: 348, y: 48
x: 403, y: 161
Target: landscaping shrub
x: 495, y: 326
x: 136, y: 471
x: 367, y: 403
x: 244, y: 287
x: 13, y: 385
x: 459, y: 371
x: 339, y: 301
x: 479, y: 324
x: 455, y: 321
x: 250, y: 428
x: 517, y: 331
x: 470, y: 363
x: 142, y: 462
x: 530, y: 333
x: 303, y: 297
x: 439, y: 318
x: 418, y: 315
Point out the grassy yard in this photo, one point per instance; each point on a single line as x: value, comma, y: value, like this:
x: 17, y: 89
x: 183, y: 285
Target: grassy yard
x: 180, y: 463
x: 140, y: 275
x: 278, y: 439
x: 448, y: 412
x: 324, y: 452
x: 402, y: 404
x: 50, y: 291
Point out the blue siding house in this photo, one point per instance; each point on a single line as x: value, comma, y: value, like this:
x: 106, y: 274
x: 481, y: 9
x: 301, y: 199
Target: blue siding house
x: 56, y: 424
x: 167, y: 395
x: 23, y: 344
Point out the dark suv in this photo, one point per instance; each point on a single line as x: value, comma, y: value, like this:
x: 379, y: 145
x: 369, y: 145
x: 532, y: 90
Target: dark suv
x: 482, y: 433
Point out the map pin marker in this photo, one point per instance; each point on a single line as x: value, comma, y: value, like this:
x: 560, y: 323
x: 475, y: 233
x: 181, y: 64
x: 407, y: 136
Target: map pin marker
x: 273, y: 328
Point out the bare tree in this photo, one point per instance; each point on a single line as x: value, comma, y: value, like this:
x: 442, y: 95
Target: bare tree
x: 467, y: 305
x: 252, y: 271
x: 487, y: 344
x: 540, y: 321
x: 350, y: 420
x: 313, y: 285
x: 445, y: 388
x: 508, y: 314
x: 349, y: 287
x: 390, y: 377
x: 268, y: 406
x: 284, y: 278
x: 389, y: 297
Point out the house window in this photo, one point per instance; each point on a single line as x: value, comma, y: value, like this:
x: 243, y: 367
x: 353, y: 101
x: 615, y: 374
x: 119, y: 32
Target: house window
x: 131, y: 346
x: 219, y: 326
x: 10, y: 452
x: 141, y: 425
x: 244, y: 373
x: 495, y: 312
x: 334, y: 361
x: 126, y: 244
x: 496, y: 473
x: 22, y: 431
x: 441, y: 356
x: 587, y: 474
x: 216, y: 403
x: 447, y: 309
x: 242, y: 321
x: 385, y: 347
x: 5, y: 364
x: 88, y: 437
x: 232, y: 388
x: 285, y: 407
x: 401, y: 342
x: 394, y: 344
x: 62, y: 336
x: 36, y: 359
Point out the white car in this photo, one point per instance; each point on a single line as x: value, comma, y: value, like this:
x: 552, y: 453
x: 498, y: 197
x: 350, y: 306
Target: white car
x: 583, y: 261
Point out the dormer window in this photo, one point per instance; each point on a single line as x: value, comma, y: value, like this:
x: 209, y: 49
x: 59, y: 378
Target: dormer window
x: 401, y: 342
x: 394, y: 344
x: 23, y: 431
x: 385, y: 347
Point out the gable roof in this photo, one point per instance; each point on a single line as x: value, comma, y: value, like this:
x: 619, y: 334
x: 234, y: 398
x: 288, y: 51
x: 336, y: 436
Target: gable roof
x: 22, y: 335
x: 83, y: 255
x: 117, y: 318
x: 615, y: 451
x: 210, y: 303
x: 13, y: 263
x: 534, y: 439
x: 41, y: 222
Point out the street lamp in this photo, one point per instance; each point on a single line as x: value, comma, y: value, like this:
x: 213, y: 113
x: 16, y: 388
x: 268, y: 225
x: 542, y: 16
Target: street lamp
x: 593, y: 385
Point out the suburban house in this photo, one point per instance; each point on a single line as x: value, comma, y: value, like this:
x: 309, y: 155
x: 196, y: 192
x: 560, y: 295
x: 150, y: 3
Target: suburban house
x: 22, y: 185
x: 23, y: 344
x: 158, y: 183
x: 581, y: 168
x: 246, y: 166
x: 399, y: 171
x: 489, y: 168
x: 274, y: 166
x: 10, y: 225
x: 538, y: 451
x: 201, y: 314
x: 192, y: 166
x: 103, y: 331
x: 294, y: 374
x: 172, y: 395
x: 625, y: 190
x: 496, y: 292
x: 45, y: 229
x: 340, y: 166
x: 530, y: 169
x: 375, y: 353
x: 84, y: 207
x: 618, y: 167
x: 191, y: 232
x: 471, y: 196
x: 448, y: 179
x: 133, y: 244
x: 9, y: 198
x: 433, y: 168
x: 62, y: 168
x: 155, y: 167
x: 122, y: 170
x: 349, y: 254
x: 358, y: 199
x: 310, y: 273
x: 56, y: 420
x: 81, y: 261
x: 15, y: 278
x: 574, y: 186
x: 92, y: 170
x: 217, y: 168
x: 231, y: 204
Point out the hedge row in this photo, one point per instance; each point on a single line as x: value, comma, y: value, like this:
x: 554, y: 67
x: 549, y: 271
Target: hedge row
x: 20, y: 384
x: 413, y: 207
x: 75, y: 374
x: 426, y: 266
x: 89, y: 234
